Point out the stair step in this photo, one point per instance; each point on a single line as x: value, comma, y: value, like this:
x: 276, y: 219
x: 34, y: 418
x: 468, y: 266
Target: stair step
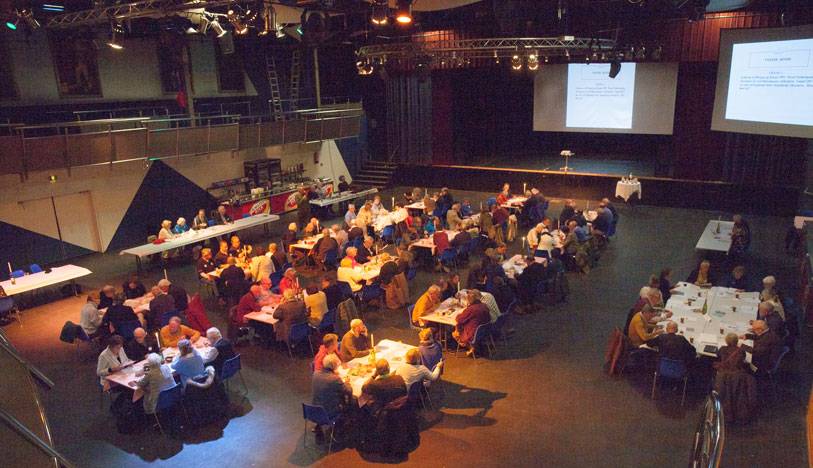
x: 376, y: 171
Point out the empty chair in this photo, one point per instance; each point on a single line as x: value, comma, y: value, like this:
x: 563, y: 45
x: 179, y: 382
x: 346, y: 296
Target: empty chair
x: 318, y: 415
x: 299, y: 332
x: 328, y: 321
x: 232, y: 367
x: 34, y: 268
x: 167, y: 400
x: 775, y: 368
x: 17, y: 274
x: 671, y: 369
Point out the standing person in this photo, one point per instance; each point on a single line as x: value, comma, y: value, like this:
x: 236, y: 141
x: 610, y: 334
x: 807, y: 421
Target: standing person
x: 161, y: 304
x: 303, y: 207
x: 157, y: 378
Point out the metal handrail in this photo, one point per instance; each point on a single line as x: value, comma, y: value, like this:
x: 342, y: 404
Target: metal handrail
x: 29, y: 435
x: 709, y: 438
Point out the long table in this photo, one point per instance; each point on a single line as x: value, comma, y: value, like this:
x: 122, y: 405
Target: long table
x: 192, y: 236
x: 727, y: 311
x: 428, y: 243
x: 713, y: 240
x: 359, y: 370
x: 342, y: 197
x: 42, y: 279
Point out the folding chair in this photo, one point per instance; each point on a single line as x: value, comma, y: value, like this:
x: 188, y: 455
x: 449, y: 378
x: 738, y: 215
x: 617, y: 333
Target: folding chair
x: 167, y: 399
x: 298, y: 333
x: 671, y: 369
x: 318, y: 415
x: 232, y: 367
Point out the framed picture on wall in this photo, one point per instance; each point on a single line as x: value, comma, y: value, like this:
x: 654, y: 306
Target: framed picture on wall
x: 230, y: 75
x: 170, y: 63
x: 8, y: 89
x: 77, y: 70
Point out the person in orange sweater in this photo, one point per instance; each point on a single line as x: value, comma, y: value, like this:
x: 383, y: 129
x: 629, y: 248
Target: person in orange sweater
x: 174, y: 332
x: 642, y: 326
x: 426, y: 304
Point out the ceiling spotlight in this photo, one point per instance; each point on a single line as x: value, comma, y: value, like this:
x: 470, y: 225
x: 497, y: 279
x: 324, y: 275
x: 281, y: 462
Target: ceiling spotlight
x: 269, y: 19
x: 116, y: 29
x: 496, y: 58
x: 403, y: 12
x: 237, y: 23
x: 567, y: 55
x: 615, y: 67
x: 546, y: 59
x: 28, y: 17
x: 217, y: 28
x: 12, y: 24
x: 640, y: 54
x: 516, y: 62
x: 380, y: 14
x: 533, y: 61
x: 365, y: 67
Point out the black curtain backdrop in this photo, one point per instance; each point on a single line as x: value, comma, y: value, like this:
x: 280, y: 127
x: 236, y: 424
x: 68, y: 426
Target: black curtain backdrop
x: 409, y: 119
x: 764, y: 160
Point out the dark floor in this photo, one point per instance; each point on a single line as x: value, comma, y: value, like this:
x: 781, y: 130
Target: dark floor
x: 542, y: 401
x: 619, y: 166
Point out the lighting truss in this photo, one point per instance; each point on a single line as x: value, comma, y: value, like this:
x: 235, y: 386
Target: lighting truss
x: 487, y: 48
x: 142, y: 9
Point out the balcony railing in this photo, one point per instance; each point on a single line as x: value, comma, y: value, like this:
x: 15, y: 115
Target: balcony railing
x: 73, y: 144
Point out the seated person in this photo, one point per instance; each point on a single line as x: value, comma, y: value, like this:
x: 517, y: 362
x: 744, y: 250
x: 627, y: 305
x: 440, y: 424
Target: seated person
x: 528, y: 281
x: 180, y: 226
x: 112, y: 359
x: 329, y: 390
x: 188, y: 363
x: 346, y: 273
x: 731, y: 357
x: 200, y: 221
x: 431, y: 351
x: 383, y: 387
x: 289, y: 312
x: 106, y: 296
x: 642, y: 327
x: 178, y: 294
x: 441, y: 241
x: 465, y: 209
x: 289, y: 238
x: 220, y: 351
x: 766, y: 347
x: 412, y: 371
x: 673, y: 346
x: 118, y: 315
x: 738, y: 279
x: 426, y: 304
x: 206, y: 264
x: 316, y: 304
x: 702, y: 275
x: 278, y: 256
x: 133, y: 288
x: 162, y: 303
x: 504, y: 195
x: 91, y: 318
x: 237, y: 249
x: 365, y: 252
x: 768, y: 314
x: 233, y: 280
x: 329, y: 346
x: 473, y: 316
x: 140, y: 345
x: 333, y: 292
x: 289, y: 281
x: 222, y: 255
x: 220, y: 216
x: 249, y: 302
x: 166, y: 230
x: 325, y: 245
x: 155, y: 380
x: 356, y: 342
x: 174, y: 332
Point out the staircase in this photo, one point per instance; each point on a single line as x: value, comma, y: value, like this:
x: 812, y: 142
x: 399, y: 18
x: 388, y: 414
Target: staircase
x: 375, y: 174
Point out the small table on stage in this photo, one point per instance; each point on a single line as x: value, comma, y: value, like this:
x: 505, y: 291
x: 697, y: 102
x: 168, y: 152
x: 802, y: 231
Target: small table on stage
x: 711, y: 239
x: 626, y: 188
x: 42, y: 279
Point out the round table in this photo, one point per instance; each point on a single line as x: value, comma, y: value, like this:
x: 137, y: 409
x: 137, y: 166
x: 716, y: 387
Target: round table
x: 626, y: 188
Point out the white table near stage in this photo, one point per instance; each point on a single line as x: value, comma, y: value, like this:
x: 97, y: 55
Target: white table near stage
x: 626, y: 188
x: 42, y: 279
x: 192, y: 236
x: 711, y: 239
x: 727, y: 311
x: 342, y: 197
x: 359, y: 370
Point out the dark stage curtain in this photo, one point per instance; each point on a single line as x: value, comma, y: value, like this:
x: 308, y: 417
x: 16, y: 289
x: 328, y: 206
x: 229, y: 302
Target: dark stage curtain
x: 409, y: 119
x: 764, y: 160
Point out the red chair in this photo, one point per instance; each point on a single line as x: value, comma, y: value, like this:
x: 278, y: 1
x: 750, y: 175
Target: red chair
x: 196, y: 315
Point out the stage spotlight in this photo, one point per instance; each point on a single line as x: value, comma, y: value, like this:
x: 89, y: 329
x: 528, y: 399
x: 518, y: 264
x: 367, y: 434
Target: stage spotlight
x: 615, y: 67
x: 403, y: 13
x: 237, y: 23
x: 269, y: 19
x: 116, y: 29
x: 29, y: 19
x: 496, y: 58
x: 12, y: 24
x: 217, y: 28
x: 567, y: 55
x: 640, y: 54
x: 533, y: 61
x: 516, y: 62
x: 365, y: 67
x: 380, y: 13
x: 546, y: 59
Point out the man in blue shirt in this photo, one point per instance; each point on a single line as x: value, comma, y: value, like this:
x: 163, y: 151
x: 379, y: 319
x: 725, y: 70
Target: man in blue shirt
x: 350, y: 216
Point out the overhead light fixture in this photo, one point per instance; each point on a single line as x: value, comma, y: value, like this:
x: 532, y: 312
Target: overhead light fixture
x: 240, y: 28
x: 114, y: 43
x: 365, y: 67
x: 269, y: 19
x: 567, y: 55
x: 403, y: 12
x: 640, y: 54
x: 53, y: 8
x: 12, y: 24
x: 533, y: 61
x: 546, y: 59
x: 217, y: 28
x: 116, y: 29
x: 380, y: 13
x: 516, y: 62
x: 496, y: 58
x: 615, y: 67
x: 28, y: 17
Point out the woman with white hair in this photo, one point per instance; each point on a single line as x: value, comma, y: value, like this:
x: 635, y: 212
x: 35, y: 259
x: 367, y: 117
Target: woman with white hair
x: 157, y: 378
x: 165, y: 233
x: 188, y: 363
x: 289, y: 237
x: 771, y: 295
x: 180, y: 226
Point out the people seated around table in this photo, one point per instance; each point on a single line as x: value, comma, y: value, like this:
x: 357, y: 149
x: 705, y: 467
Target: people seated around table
x: 356, y: 231
x: 603, y: 222
x: 237, y: 249
x: 316, y: 303
x: 112, y: 359
x: 426, y: 304
x: 383, y: 387
x: 568, y: 212
x: 701, y: 276
x: 106, y: 296
x: 329, y: 346
x: 740, y: 237
x: 505, y: 194
x: 339, y: 235
x: 180, y: 226
x: 350, y: 216
x: 200, y: 221
x: 222, y: 254
x: 90, y: 318
x: 529, y: 280
x: 174, y: 331
x: 277, y: 255
x: 453, y: 219
x: 665, y: 284
x: 188, y: 363
x: 731, y: 357
x: 233, y: 282
x: 249, y: 302
x: 329, y: 390
x: 220, y: 351
x: 673, y: 346
x: 365, y: 252
x: 166, y: 230
x: 365, y: 216
x: 133, y: 288
x: 333, y: 292
x: 312, y: 228
x: 261, y: 265
x: 413, y: 371
x: 289, y: 238
x: 118, y: 315
x: 474, y: 315
x: 430, y: 350
x: 220, y: 216
x: 770, y: 294
x: 738, y: 279
x: 652, y: 297
x: 642, y: 327
x: 161, y: 303
x: 356, y: 342
x: 289, y: 281
x: 376, y: 207
x: 177, y: 292
x: 140, y: 345
x: 325, y: 245
x: 289, y: 312
x: 766, y: 348
x: 352, y: 276
x: 157, y: 378
x: 768, y: 314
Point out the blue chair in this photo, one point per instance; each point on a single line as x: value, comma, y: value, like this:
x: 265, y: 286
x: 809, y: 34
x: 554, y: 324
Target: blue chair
x: 449, y: 257
x: 166, y: 316
x: 318, y: 415
x: 167, y: 399
x: 298, y: 333
x: 388, y: 234
x: 775, y: 368
x: 17, y: 274
x: 276, y: 277
x: 671, y: 369
x: 491, y: 202
x: 126, y: 330
x: 34, y: 268
x: 232, y: 367
x: 474, y: 244
x: 328, y: 321
x: 412, y: 325
x: 246, y: 215
x: 210, y: 222
x: 411, y: 273
x: 482, y: 336
x: 332, y: 258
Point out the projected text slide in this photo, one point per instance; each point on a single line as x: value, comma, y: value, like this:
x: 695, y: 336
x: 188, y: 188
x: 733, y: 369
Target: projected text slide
x: 771, y: 82
x: 594, y: 100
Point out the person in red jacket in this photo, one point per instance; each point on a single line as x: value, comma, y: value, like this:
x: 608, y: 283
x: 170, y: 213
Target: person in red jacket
x: 473, y: 316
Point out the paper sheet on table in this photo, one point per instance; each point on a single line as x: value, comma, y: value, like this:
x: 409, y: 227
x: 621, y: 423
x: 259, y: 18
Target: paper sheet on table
x: 708, y: 338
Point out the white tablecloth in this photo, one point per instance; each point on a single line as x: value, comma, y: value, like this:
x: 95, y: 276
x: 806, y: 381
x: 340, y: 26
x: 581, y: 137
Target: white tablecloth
x: 625, y: 188
x: 192, y: 236
x: 359, y: 370
x: 428, y: 243
x: 713, y: 240
x: 342, y: 197
x: 42, y: 279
